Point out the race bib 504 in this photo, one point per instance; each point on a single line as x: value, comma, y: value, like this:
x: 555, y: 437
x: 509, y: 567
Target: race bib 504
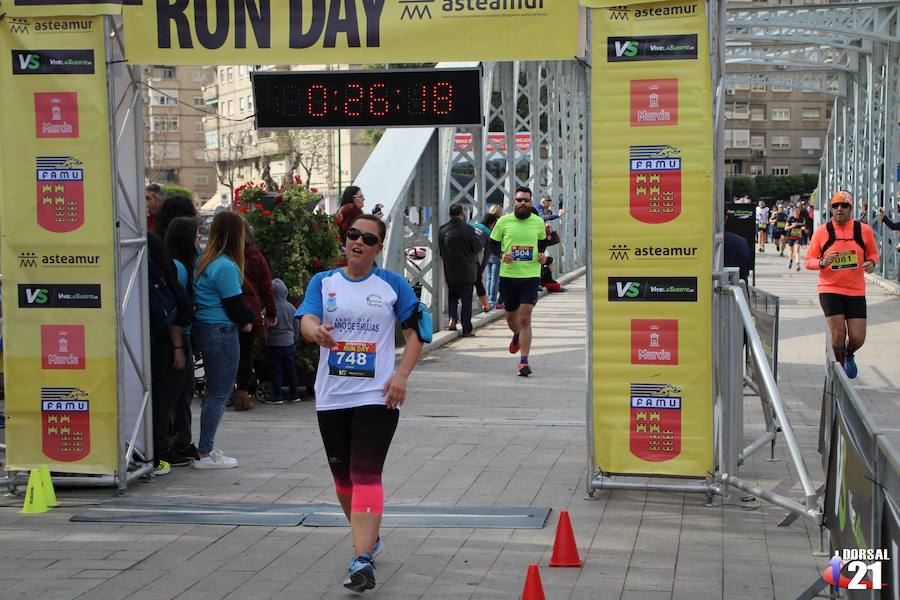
x: 352, y: 359
x: 522, y: 253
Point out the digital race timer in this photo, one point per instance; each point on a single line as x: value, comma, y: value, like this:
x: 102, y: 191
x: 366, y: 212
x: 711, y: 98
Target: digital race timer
x: 396, y: 98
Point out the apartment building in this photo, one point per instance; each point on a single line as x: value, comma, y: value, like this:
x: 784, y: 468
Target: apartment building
x: 774, y: 129
x: 174, y: 140
x: 240, y: 153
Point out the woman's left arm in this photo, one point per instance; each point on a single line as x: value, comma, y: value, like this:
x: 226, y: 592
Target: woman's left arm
x: 395, y: 388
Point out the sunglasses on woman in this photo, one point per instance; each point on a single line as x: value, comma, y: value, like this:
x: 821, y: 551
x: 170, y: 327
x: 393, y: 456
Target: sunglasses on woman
x: 369, y: 239
x: 841, y: 205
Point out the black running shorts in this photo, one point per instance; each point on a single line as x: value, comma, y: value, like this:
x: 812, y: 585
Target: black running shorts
x: 852, y: 307
x: 516, y: 291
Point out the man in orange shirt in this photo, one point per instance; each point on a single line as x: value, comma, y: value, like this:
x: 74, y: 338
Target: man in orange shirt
x: 843, y: 250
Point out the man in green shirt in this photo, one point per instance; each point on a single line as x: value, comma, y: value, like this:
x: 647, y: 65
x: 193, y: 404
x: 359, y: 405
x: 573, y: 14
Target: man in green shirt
x: 516, y: 239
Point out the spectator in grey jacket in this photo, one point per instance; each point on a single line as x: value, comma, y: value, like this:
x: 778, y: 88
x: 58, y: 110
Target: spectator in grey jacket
x: 280, y: 339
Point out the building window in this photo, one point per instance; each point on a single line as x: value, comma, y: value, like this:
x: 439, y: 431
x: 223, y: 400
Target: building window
x: 809, y: 169
x: 199, y: 76
x: 198, y: 100
x: 161, y: 124
x: 758, y: 142
x: 222, y: 76
x: 168, y: 72
x: 250, y: 102
x: 230, y: 107
x: 811, y: 143
x: 742, y: 87
x: 729, y: 90
x: 202, y: 180
x: 165, y: 151
x: 781, y: 114
x: 781, y: 142
x: 212, y: 140
x: 781, y: 170
x: 163, y: 97
x: 230, y: 73
x: 241, y: 72
x: 758, y: 113
x: 740, y: 138
x: 758, y: 87
x: 242, y: 104
x: 757, y: 170
x: 199, y: 154
x: 198, y: 127
x: 783, y: 86
x: 810, y: 114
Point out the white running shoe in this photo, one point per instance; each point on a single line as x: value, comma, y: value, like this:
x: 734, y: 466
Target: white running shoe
x: 216, y: 460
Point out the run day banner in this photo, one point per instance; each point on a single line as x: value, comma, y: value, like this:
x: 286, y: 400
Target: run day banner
x: 57, y: 247
x: 348, y: 31
x: 652, y: 213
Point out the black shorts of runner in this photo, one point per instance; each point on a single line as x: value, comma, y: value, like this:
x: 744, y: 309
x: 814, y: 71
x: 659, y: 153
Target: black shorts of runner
x: 778, y: 234
x: 516, y: 291
x: 852, y: 307
x: 793, y: 241
x: 804, y: 240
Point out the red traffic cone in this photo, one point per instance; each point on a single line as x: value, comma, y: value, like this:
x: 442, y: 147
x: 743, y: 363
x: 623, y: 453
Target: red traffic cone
x: 565, y: 552
x: 534, y: 589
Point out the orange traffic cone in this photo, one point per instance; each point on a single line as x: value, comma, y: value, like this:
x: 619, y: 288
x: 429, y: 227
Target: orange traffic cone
x: 534, y: 589
x: 565, y: 552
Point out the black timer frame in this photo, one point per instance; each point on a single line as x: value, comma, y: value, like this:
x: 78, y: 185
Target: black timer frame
x: 288, y: 100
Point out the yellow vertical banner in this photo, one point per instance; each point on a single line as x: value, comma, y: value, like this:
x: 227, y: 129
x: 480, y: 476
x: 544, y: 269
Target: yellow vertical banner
x: 651, y: 218
x: 57, y: 246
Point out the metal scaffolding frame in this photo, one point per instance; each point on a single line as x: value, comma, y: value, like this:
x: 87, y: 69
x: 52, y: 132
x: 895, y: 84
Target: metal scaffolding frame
x: 851, y: 51
x: 442, y: 166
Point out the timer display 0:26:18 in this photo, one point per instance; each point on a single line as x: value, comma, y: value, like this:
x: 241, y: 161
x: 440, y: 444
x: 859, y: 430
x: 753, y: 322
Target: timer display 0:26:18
x: 367, y: 98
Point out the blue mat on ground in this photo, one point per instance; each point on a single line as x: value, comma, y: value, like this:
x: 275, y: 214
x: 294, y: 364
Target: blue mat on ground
x: 311, y: 515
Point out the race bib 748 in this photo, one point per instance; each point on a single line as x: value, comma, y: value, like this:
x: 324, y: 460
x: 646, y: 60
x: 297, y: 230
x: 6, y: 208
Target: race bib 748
x: 352, y: 359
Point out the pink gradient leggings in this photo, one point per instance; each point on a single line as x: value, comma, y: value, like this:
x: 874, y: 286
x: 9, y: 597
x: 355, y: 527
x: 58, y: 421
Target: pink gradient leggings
x: 356, y: 442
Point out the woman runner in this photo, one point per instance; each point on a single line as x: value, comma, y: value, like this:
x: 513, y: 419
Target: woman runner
x: 352, y: 313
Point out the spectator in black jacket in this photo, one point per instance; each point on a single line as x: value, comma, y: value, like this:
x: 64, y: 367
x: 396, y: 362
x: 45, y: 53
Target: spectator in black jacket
x: 893, y: 225
x: 460, y: 249
x: 737, y: 253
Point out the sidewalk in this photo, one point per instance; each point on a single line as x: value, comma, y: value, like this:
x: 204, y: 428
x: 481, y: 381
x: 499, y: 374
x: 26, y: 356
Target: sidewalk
x: 472, y: 434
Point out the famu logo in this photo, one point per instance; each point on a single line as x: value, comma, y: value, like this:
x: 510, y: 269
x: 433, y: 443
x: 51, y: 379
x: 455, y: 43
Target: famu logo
x: 625, y: 252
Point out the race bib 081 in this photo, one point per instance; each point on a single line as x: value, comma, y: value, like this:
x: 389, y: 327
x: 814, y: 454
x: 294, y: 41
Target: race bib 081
x: 352, y: 359
x: 846, y: 259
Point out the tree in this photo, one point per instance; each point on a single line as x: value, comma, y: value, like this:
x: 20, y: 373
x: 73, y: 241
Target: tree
x: 307, y: 150
x: 232, y: 147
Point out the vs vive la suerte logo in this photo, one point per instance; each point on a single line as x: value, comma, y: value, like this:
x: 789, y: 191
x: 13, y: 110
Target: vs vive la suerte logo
x: 59, y: 295
x: 652, y: 289
x: 53, y: 62
x: 651, y: 47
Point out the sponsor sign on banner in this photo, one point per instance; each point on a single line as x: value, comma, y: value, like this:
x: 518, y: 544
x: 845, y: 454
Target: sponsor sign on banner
x: 350, y: 31
x: 58, y: 243
x: 652, y: 161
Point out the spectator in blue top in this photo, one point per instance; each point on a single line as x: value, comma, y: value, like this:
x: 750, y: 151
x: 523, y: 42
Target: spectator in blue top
x: 182, y: 237
x: 220, y: 314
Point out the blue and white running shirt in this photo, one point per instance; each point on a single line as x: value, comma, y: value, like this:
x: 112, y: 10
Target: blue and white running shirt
x: 364, y: 313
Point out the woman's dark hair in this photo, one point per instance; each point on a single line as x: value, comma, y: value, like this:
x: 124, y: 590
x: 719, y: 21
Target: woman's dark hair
x: 226, y: 236
x: 181, y: 241
x: 382, y: 228
x: 172, y: 207
x: 349, y: 192
x: 489, y: 219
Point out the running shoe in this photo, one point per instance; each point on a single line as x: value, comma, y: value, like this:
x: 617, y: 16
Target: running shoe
x: 362, y: 574
x: 850, y: 367
x: 177, y: 460
x: 524, y: 370
x: 216, y: 460
x: 798, y: 266
x: 514, y: 344
x: 270, y: 400
x: 162, y: 468
x: 376, y: 550
x: 790, y: 265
